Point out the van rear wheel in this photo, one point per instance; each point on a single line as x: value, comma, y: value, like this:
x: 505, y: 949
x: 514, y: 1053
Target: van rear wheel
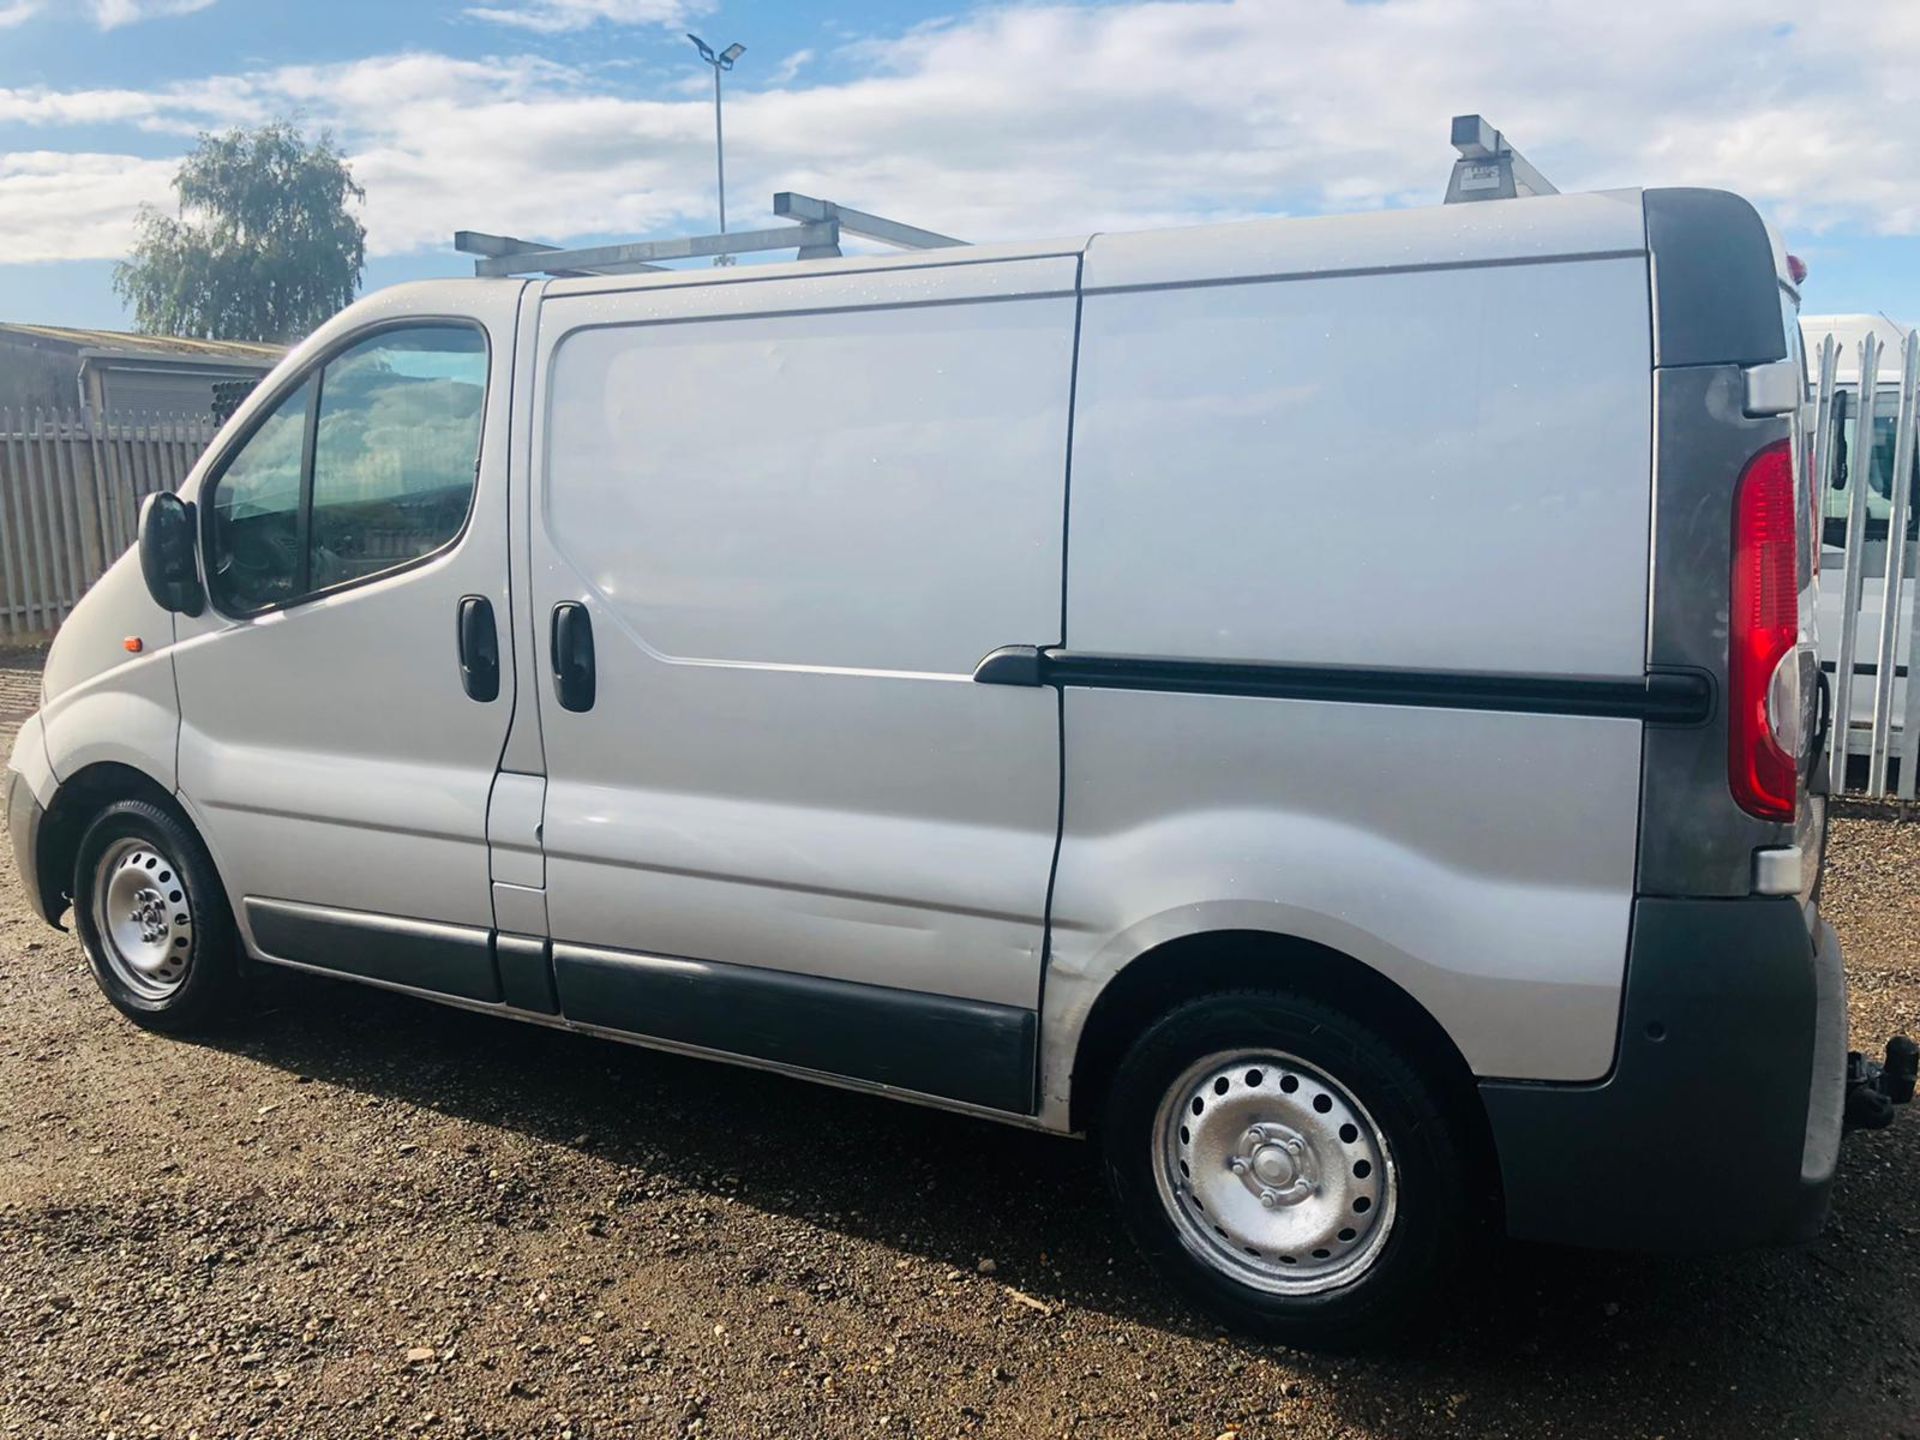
x: 1285, y: 1167
x: 153, y: 918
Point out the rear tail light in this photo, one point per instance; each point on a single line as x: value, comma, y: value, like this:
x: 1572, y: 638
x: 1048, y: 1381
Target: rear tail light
x: 1763, y: 738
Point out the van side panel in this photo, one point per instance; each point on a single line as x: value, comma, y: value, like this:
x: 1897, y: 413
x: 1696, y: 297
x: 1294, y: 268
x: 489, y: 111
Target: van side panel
x: 1431, y: 470
x: 800, y: 511
x: 1440, y: 465
x: 1481, y: 861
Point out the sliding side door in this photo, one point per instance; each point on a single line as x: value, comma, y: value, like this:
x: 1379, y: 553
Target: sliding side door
x: 782, y: 520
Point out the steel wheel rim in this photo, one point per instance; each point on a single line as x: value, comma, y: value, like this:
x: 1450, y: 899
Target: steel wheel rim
x: 143, y: 916
x: 1273, y: 1173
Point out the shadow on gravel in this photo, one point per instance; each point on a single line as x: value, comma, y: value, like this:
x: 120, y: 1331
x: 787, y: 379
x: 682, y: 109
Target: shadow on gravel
x: 1780, y: 1342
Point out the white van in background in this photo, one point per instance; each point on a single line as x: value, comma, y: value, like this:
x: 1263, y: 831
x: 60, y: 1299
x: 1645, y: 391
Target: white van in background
x: 1847, y: 332
x: 1043, y: 681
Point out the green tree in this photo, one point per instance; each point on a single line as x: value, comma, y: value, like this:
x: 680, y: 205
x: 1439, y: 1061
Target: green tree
x: 264, y: 247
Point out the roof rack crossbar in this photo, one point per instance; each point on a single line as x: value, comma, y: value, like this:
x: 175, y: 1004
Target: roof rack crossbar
x: 814, y: 233
x: 795, y: 206
x: 478, y: 242
x: 1489, y: 168
x: 640, y: 254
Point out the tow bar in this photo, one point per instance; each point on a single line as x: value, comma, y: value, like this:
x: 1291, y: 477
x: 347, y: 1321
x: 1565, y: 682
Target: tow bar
x: 1874, y: 1087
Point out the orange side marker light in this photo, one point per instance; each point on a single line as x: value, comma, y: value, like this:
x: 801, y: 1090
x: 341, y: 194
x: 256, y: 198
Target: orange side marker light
x: 134, y: 644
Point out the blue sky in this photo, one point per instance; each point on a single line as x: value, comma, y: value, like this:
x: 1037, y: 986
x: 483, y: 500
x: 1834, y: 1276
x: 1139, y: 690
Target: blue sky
x: 579, y: 120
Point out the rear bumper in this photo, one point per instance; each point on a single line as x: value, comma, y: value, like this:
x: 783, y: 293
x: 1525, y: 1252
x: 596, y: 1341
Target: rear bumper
x: 24, y: 817
x: 1719, y: 1127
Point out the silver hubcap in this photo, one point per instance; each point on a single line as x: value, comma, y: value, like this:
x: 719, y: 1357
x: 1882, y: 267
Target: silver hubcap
x: 141, y: 914
x: 1272, y: 1173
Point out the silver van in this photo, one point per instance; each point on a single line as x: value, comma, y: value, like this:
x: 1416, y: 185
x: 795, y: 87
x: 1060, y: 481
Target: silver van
x: 1057, y: 682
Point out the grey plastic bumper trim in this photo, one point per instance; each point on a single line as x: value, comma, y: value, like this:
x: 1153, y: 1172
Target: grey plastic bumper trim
x: 24, y: 817
x: 1701, y: 1138
x: 937, y: 1045
x: 426, y: 954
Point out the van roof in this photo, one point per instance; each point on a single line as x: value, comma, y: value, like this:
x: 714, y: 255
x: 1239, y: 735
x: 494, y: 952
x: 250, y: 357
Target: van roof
x: 1542, y: 227
x: 1538, y: 227
x: 1848, y: 331
x: 837, y: 265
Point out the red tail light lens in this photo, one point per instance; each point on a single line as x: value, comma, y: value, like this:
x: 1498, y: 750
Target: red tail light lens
x: 1765, y: 629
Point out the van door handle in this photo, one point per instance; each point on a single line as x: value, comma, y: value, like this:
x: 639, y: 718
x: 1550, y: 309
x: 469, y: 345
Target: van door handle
x: 479, y: 649
x: 572, y: 647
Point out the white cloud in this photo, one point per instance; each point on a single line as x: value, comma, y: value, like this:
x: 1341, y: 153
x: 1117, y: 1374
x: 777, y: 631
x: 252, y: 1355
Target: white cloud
x: 58, y: 203
x: 553, y: 16
x: 784, y: 72
x: 1036, y: 120
x: 74, y: 107
x: 105, y: 14
x: 111, y: 14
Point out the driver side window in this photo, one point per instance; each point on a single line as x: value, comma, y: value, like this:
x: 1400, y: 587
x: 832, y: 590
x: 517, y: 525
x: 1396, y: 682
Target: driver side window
x: 368, y: 466
x: 253, y: 549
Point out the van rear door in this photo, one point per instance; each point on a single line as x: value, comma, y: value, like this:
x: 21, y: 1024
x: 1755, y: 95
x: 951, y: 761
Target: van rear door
x: 777, y: 524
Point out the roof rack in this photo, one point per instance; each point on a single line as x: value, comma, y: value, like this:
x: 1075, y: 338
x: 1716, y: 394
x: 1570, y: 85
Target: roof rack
x: 814, y: 233
x: 1489, y: 168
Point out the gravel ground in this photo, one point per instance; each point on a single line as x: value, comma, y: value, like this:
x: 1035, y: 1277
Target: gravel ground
x: 358, y: 1215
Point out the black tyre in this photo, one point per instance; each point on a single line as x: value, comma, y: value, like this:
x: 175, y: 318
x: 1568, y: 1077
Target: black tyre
x: 154, y: 919
x: 1286, y: 1167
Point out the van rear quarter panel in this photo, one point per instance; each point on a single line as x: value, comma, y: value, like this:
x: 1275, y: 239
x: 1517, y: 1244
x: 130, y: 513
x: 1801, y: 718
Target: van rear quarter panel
x: 1444, y: 470
x: 1440, y: 466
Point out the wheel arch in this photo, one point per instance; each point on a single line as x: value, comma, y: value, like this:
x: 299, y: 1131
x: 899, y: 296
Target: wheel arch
x: 78, y: 799
x: 1191, y: 966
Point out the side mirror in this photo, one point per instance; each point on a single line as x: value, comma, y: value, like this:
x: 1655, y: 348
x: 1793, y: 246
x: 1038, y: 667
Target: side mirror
x: 167, y: 554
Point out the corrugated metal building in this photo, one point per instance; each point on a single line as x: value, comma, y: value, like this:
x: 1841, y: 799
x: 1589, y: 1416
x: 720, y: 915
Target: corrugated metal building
x: 106, y: 371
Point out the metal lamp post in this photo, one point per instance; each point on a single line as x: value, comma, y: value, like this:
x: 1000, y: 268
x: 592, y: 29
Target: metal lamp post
x: 723, y: 61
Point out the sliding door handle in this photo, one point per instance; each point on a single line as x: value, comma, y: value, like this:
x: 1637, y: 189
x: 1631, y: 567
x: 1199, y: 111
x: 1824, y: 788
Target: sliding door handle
x: 479, y: 649
x: 572, y: 649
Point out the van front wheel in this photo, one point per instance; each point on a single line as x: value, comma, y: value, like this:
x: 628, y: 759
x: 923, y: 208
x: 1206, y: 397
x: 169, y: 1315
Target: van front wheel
x: 153, y: 918
x: 1285, y: 1167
